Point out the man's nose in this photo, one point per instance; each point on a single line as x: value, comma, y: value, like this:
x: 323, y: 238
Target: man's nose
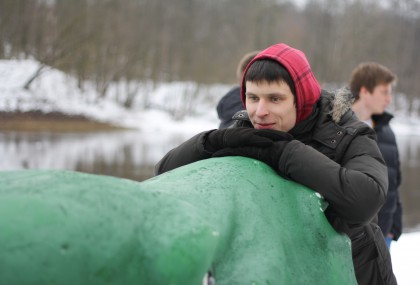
x: 262, y: 109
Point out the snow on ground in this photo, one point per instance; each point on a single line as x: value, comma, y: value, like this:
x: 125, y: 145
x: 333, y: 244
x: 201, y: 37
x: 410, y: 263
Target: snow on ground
x: 56, y: 91
x: 405, y: 254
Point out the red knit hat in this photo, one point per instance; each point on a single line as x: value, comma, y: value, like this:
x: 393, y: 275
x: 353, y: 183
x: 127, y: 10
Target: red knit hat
x: 307, y: 87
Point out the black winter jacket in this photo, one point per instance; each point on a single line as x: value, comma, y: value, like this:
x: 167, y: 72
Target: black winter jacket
x: 336, y: 155
x: 390, y: 215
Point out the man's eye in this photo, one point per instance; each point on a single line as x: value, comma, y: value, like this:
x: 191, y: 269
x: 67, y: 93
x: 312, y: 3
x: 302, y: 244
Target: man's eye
x: 275, y: 99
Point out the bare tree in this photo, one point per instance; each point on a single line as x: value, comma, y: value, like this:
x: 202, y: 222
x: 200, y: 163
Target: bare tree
x: 105, y: 41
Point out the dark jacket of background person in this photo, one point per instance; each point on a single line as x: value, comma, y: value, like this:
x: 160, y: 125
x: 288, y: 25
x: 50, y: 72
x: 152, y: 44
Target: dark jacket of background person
x: 390, y: 215
x: 231, y: 102
x: 228, y: 105
x: 332, y: 153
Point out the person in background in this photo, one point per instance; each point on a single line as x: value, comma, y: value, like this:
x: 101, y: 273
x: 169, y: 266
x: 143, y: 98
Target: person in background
x: 371, y: 84
x: 312, y: 137
x: 231, y: 102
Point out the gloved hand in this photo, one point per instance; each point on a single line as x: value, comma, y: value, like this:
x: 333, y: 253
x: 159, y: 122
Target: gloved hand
x: 239, y: 137
x: 269, y: 155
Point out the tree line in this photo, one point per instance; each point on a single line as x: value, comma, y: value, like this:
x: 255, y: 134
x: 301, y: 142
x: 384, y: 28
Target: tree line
x: 105, y: 41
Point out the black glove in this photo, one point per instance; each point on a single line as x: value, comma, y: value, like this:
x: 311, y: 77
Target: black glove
x: 239, y: 137
x: 269, y: 155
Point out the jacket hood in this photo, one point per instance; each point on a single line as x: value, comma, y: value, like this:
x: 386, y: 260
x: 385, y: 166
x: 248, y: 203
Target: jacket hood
x: 341, y: 104
x: 307, y: 87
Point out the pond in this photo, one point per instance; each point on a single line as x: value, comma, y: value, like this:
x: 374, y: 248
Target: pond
x: 132, y: 155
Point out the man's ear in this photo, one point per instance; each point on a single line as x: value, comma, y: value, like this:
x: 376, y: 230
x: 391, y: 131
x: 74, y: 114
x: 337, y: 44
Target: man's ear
x: 363, y: 91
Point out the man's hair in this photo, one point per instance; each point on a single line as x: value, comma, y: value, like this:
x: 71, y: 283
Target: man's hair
x: 370, y: 75
x: 270, y: 71
x: 244, y: 62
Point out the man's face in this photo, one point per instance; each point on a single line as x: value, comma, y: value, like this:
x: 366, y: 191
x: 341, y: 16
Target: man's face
x: 379, y: 99
x: 270, y: 105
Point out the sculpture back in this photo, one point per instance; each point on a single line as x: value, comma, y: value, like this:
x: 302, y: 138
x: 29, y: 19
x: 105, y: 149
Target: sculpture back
x: 234, y: 216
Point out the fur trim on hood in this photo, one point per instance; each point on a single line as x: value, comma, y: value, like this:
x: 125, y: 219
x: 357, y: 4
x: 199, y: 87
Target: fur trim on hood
x: 343, y: 101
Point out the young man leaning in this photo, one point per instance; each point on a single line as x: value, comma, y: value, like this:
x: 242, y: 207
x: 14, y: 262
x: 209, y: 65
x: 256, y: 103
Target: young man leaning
x: 312, y: 137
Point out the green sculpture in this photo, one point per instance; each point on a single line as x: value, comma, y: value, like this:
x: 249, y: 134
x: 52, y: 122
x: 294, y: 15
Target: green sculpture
x: 234, y: 216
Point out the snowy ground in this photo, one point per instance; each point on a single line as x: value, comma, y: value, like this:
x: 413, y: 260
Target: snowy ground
x: 44, y: 96
x: 405, y: 254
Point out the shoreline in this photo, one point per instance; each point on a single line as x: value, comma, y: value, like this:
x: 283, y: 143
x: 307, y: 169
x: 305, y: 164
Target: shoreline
x: 36, y: 121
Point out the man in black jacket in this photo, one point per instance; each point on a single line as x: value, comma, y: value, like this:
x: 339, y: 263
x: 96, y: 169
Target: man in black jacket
x: 371, y: 83
x: 312, y: 137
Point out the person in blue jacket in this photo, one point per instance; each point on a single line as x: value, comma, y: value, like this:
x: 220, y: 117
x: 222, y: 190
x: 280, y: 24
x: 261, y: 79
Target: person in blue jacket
x: 231, y: 102
x: 371, y: 83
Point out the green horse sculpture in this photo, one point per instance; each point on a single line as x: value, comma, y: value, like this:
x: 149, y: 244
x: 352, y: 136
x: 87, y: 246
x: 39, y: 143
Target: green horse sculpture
x: 232, y: 216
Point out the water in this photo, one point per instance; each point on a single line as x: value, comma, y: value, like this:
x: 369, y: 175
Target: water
x: 126, y: 154
x: 132, y: 155
x: 409, y: 147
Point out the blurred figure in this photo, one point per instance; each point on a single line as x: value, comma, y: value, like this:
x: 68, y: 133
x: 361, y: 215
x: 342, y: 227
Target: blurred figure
x: 231, y: 103
x: 371, y: 84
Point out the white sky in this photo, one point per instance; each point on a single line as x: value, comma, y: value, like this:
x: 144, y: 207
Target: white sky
x: 55, y: 91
